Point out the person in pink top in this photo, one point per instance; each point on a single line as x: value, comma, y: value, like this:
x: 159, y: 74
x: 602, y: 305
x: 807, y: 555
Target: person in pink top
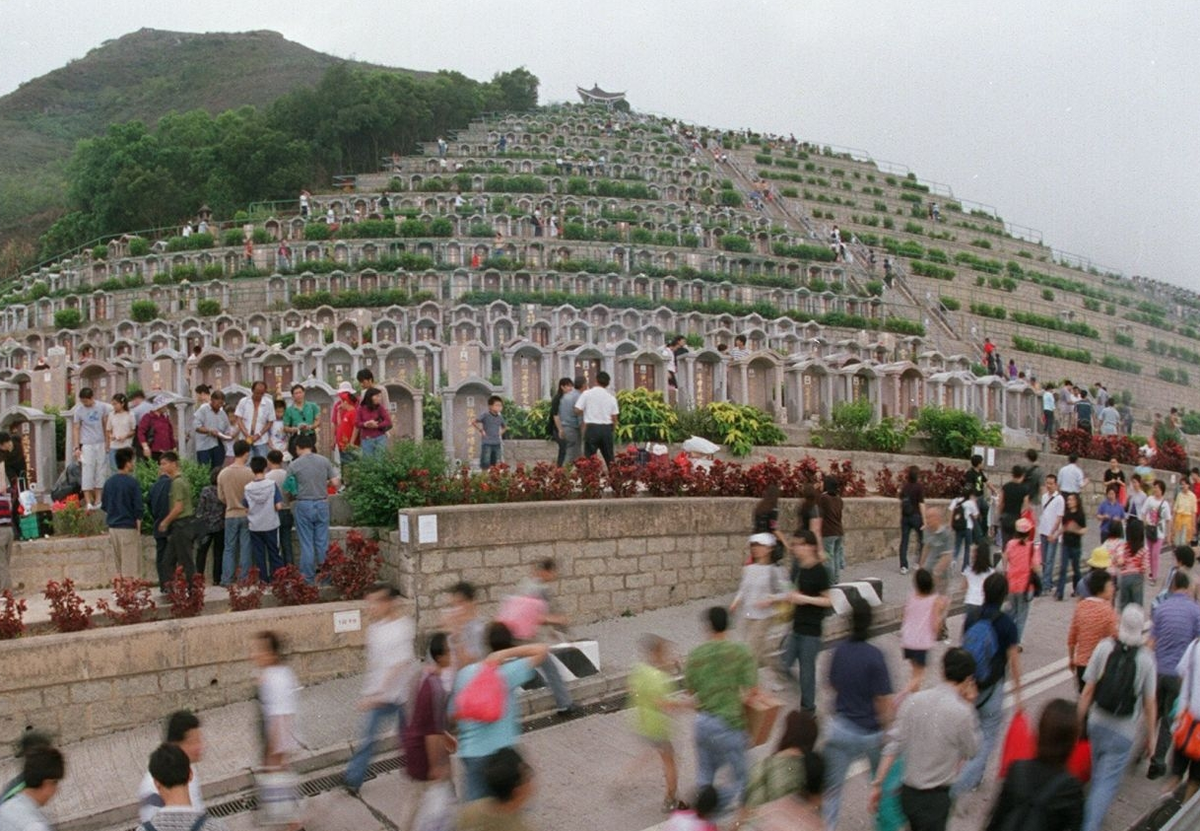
x: 373, y: 422
x: 1131, y: 564
x: 919, y: 626
x: 1023, y: 565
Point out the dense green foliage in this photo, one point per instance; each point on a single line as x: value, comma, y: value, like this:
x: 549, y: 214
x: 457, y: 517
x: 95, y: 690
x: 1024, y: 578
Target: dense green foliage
x: 954, y: 432
x: 135, y: 176
x: 386, y: 482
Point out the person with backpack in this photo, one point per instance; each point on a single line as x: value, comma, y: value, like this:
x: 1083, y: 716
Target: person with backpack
x: 935, y: 730
x: 995, y: 645
x: 484, y: 703
x: 1040, y: 794
x: 1119, y: 688
x: 171, y: 772
x: 964, y: 514
x: 1174, y: 625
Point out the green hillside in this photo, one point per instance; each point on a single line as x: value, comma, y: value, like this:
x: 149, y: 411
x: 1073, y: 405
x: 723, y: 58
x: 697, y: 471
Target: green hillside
x: 142, y: 75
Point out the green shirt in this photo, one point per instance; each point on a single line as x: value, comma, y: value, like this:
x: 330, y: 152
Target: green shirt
x: 181, y: 491
x: 717, y: 672
x: 776, y: 776
x: 649, y: 688
x: 295, y: 416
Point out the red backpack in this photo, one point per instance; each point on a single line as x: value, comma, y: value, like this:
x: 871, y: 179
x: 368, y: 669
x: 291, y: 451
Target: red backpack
x: 483, y: 698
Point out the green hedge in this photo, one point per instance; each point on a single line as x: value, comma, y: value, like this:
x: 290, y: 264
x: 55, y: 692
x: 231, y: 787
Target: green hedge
x: 1051, y: 350
x: 1046, y: 322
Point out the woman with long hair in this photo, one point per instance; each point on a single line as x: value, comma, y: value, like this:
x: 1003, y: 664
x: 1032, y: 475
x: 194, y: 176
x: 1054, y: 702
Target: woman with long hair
x: 122, y: 427
x: 565, y: 425
x: 1041, y: 790
x: 372, y: 421
x: 1131, y: 566
x: 1074, y: 525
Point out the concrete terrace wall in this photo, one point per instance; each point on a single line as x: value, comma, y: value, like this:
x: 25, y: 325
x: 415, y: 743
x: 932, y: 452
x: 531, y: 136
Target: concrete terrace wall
x: 614, y: 555
x: 96, y: 682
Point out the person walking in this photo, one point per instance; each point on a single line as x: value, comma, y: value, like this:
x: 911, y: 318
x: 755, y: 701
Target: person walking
x: 1021, y: 566
x: 179, y: 524
x: 1174, y: 625
x: 1074, y: 526
x: 760, y: 582
x: 811, y: 599
x: 974, y: 578
x: 566, y: 422
x: 1094, y: 620
x: 231, y: 491
x: 976, y: 484
x: 171, y: 775
x: 1071, y: 478
x: 964, y: 516
x: 314, y: 475
x: 912, y: 514
x: 599, y: 411
x: 43, y: 770
x: 123, y: 512
x: 1130, y: 558
x: 1014, y: 501
x: 920, y: 625
x: 997, y: 655
x: 936, y: 730
x: 426, y: 742
x: 1185, y: 763
x: 90, y: 419
x: 211, y: 426
x: 1041, y: 792
x: 477, y: 740
x: 536, y: 586
x: 1156, y: 521
x: 390, y: 659
x: 858, y: 674
x: 1119, y: 687
x: 832, y: 531
x: 182, y: 731
x: 277, y: 688
x: 721, y: 676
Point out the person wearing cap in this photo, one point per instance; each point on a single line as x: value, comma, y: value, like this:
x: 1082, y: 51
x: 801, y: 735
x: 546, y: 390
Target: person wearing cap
x: 1023, y: 568
x: 1113, y: 736
x: 1094, y: 620
x: 155, y: 433
x: 760, y: 581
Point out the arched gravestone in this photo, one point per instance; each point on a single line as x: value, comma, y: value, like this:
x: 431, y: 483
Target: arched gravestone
x: 465, y: 360
x: 216, y: 370
x: 459, y: 404
x: 401, y: 365
x: 407, y: 415
x: 104, y: 379
x: 161, y: 371
x: 524, y: 373
x: 707, y: 369
x: 321, y: 394
x: 35, y: 429
x: 277, y: 374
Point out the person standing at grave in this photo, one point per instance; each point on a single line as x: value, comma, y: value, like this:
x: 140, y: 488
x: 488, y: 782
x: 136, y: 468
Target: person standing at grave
x: 492, y: 427
x: 300, y: 417
x: 721, y: 675
x: 277, y: 472
x: 90, y: 418
x: 314, y: 476
x: 565, y: 421
x: 179, y: 524
x: 390, y: 657
x: 231, y: 491
x: 123, y: 511
x: 211, y: 425
x: 372, y: 422
x: 599, y: 410
x: 122, y: 429
x: 263, y: 499
x: 254, y: 415
x: 156, y: 433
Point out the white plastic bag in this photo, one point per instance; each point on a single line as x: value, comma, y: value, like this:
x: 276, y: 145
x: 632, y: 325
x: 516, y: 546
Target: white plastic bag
x: 278, y: 797
x: 436, y: 812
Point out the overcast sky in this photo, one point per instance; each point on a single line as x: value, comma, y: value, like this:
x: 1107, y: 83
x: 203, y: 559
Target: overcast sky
x: 1075, y: 118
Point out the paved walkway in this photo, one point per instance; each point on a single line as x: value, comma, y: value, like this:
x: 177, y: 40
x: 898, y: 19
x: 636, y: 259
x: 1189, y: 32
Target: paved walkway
x: 588, y: 767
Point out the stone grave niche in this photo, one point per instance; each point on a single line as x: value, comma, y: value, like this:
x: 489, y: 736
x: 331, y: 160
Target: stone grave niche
x: 323, y: 395
x: 335, y: 364
x: 35, y: 429
x: 407, y: 410
x: 216, y: 369
x: 467, y: 360
x: 523, y: 372
x: 809, y: 392
x: 104, y: 379
x: 162, y: 372
x: 9, y: 396
x: 649, y: 372
x: 278, y: 372
x: 702, y: 377
x: 401, y: 365
x: 583, y: 362
x: 48, y: 387
x: 310, y: 335
x: 24, y: 384
x: 459, y: 403
x: 757, y: 381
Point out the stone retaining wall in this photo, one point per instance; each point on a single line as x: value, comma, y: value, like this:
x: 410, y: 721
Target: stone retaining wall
x: 614, y: 555
x: 96, y: 682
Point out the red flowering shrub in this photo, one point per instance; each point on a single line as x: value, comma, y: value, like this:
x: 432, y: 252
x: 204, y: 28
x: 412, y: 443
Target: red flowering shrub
x: 942, y: 481
x: 1073, y: 442
x: 133, y: 601
x: 588, y: 476
x: 289, y: 587
x: 246, y: 593
x: 1170, y: 456
x: 68, y: 612
x: 354, y: 570
x: 1087, y: 446
x: 186, y: 597
x: 12, y: 617
x: 852, y: 481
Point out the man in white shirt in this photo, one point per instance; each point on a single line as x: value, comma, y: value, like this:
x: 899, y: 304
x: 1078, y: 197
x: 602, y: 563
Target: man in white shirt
x: 1070, y: 477
x: 254, y: 416
x: 173, y: 778
x: 390, y: 658
x: 91, y: 433
x: 599, y: 410
x: 1048, y: 410
x: 43, y: 770
x: 1049, y: 528
x: 182, y: 731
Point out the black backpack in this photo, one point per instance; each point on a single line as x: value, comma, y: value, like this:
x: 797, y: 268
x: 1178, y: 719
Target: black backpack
x: 958, y: 518
x: 1030, y: 814
x: 1116, y: 691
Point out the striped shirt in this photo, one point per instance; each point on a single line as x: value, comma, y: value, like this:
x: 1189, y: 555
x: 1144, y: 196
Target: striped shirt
x: 1174, y: 624
x: 1094, y: 620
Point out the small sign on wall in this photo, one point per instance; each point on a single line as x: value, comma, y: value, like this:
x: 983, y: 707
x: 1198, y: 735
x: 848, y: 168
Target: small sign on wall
x: 347, y: 621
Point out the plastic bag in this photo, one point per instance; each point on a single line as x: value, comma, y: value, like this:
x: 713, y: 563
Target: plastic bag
x: 1079, y: 763
x: 1019, y: 743
x: 522, y: 615
x: 436, y: 811
x: 277, y: 795
x: 483, y: 697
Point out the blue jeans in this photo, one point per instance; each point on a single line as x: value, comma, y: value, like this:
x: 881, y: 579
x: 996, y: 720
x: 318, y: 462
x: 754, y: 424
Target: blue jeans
x: 214, y: 457
x: 489, y: 454
x: 549, y: 671
x: 717, y: 745
x: 237, y: 539
x: 264, y: 547
x: 1049, y: 555
x: 1070, y: 554
x: 835, y: 556
x: 1018, y: 610
x: 845, y: 742
x: 991, y: 714
x: 908, y: 525
x: 356, y: 770
x: 374, y: 445
x: 1110, y: 756
x: 963, y: 539
x: 259, y: 451
x: 312, y: 526
x: 475, y: 786
x: 803, y: 648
